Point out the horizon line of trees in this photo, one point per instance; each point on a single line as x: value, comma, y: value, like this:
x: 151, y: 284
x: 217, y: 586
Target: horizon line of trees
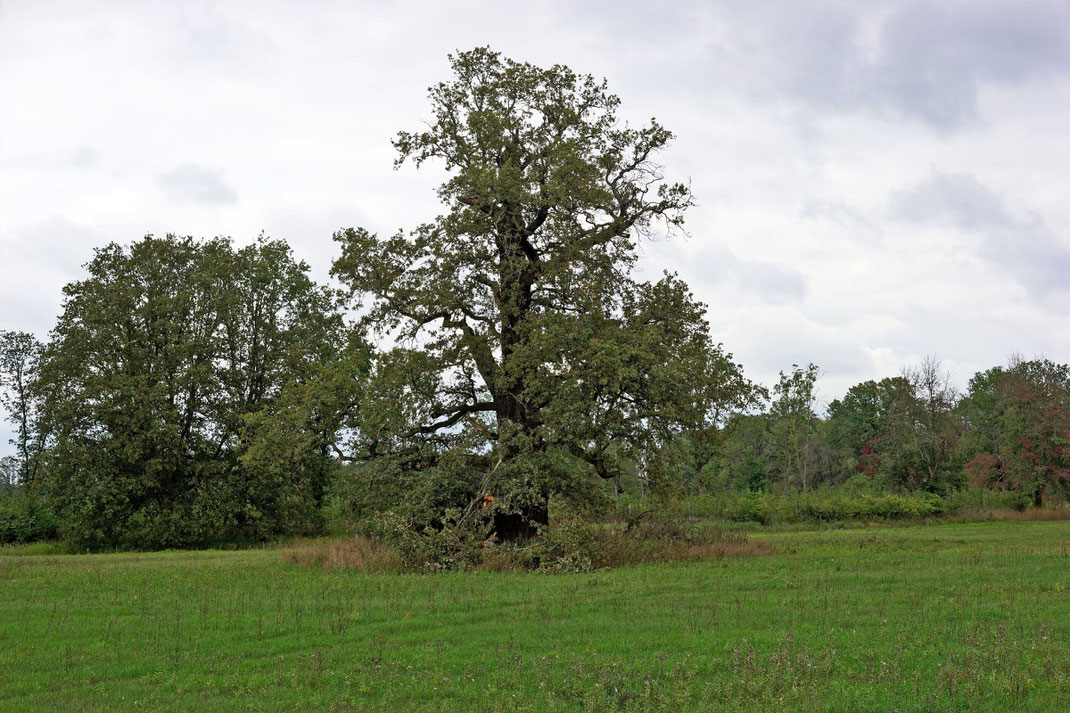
x: 194, y: 392
x: 1010, y: 430
x: 502, y: 354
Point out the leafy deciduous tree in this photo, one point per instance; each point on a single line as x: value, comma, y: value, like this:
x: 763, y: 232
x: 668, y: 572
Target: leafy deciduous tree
x: 521, y: 329
x: 857, y: 424
x: 20, y: 355
x: 1018, y: 428
x: 922, y: 439
x: 160, y: 354
x: 795, y: 421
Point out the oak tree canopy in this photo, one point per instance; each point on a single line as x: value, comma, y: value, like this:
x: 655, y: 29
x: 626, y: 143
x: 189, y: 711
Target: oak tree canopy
x: 523, y: 341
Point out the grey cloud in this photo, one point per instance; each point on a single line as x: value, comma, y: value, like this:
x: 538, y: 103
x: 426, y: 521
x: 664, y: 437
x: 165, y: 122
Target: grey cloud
x: 1019, y: 242
x: 773, y: 283
x: 935, y: 55
x: 955, y: 198
x: 205, y: 34
x: 194, y: 184
x: 924, y: 60
x: 310, y: 231
x: 777, y: 341
x: 36, y: 261
x: 635, y: 19
x: 83, y: 157
x: 842, y: 214
x: 55, y: 242
x: 820, y: 60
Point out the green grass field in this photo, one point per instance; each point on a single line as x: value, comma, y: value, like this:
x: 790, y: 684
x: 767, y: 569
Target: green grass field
x: 952, y: 617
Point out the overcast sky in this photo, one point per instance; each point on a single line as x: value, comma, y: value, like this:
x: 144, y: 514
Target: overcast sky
x: 876, y: 181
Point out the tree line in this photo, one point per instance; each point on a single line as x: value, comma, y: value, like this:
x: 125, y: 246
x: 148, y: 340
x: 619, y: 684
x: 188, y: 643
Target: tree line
x: 1009, y: 431
x: 472, y: 369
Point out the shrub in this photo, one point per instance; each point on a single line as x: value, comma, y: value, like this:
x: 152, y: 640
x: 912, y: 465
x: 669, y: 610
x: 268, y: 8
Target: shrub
x: 868, y: 506
x: 25, y: 518
x: 573, y: 544
x: 858, y: 499
x: 457, y: 544
x: 984, y: 498
x: 570, y: 544
x: 749, y: 507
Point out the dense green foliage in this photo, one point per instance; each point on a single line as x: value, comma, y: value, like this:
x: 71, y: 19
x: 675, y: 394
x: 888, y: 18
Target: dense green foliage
x: 24, y: 517
x: 527, y: 351
x: 1017, y: 423
x: 934, y: 619
x: 851, y: 502
x: 160, y: 355
x: 1009, y: 432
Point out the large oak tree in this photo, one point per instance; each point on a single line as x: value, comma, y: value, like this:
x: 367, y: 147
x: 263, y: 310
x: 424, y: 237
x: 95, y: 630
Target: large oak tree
x: 521, y: 333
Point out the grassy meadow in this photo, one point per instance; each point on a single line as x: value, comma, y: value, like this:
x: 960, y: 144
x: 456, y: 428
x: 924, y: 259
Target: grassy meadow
x: 947, y: 617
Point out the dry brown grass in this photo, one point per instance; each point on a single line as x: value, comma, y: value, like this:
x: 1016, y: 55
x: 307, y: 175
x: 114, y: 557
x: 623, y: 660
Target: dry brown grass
x: 500, y: 560
x: 589, y: 547
x: 356, y: 552
x: 711, y: 544
x: 1048, y: 513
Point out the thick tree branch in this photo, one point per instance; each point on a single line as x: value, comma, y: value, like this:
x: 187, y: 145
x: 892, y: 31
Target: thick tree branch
x: 454, y: 417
